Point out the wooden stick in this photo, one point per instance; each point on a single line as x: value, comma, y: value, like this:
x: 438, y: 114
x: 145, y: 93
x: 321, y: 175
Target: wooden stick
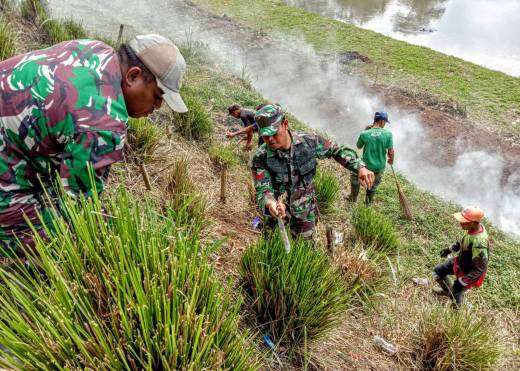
x: 146, y: 177
x: 120, y: 36
x: 223, y: 178
x: 329, y: 233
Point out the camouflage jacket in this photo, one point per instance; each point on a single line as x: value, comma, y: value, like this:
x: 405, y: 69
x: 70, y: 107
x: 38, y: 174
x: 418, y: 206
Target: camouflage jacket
x: 61, y: 111
x: 292, y: 171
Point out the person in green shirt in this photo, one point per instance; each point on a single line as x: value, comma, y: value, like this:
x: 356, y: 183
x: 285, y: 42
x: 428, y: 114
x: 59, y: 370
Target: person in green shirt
x: 378, y: 149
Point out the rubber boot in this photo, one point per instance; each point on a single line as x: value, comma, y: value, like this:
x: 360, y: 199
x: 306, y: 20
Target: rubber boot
x: 369, y: 198
x: 354, y: 191
x: 444, y: 287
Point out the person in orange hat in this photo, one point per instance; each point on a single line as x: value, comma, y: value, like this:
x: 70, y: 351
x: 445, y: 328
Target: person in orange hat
x: 470, y: 265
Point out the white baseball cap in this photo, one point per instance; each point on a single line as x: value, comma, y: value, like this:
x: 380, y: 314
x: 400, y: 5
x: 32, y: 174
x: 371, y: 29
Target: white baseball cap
x: 167, y: 64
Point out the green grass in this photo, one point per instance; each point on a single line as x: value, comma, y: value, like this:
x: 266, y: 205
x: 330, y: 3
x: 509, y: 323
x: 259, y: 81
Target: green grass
x: 58, y: 31
x: 327, y: 189
x: 182, y: 195
x: 485, y: 95
x: 455, y: 340
x: 196, y: 123
x: 33, y: 11
x: 143, y: 139
x: 133, y: 291
x: 296, y: 296
x: 7, y: 37
x: 223, y: 155
x: 375, y: 229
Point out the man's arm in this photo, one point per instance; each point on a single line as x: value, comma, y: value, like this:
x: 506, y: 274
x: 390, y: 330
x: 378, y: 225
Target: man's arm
x: 248, y: 130
x: 391, y: 154
x: 360, y: 144
x: 345, y: 156
x: 95, y: 149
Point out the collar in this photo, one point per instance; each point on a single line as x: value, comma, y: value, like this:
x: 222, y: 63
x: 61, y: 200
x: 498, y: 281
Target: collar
x: 479, y: 231
x: 296, y: 139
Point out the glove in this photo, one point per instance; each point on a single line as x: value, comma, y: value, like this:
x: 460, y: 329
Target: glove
x: 445, y: 252
x: 455, y: 246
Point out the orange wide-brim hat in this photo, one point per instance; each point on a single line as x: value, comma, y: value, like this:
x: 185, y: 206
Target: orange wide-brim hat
x: 470, y: 214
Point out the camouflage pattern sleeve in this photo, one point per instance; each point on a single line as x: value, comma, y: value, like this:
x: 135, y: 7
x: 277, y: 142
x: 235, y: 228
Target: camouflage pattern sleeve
x: 345, y: 156
x: 98, y: 149
x: 262, y: 179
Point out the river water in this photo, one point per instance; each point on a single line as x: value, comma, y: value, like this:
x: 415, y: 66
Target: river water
x: 484, y: 32
x: 320, y: 92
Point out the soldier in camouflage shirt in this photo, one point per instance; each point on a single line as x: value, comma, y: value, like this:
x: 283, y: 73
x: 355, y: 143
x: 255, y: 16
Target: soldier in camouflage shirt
x: 64, y: 111
x: 286, y: 163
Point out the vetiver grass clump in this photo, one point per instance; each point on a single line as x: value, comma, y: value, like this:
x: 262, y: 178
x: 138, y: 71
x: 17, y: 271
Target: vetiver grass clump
x: 33, y: 11
x: 196, y: 123
x: 455, y: 340
x: 327, y: 189
x: 374, y: 229
x: 183, y: 195
x: 58, y: 31
x: 121, y: 287
x: 223, y: 155
x: 7, y: 46
x: 143, y: 139
x: 296, y: 296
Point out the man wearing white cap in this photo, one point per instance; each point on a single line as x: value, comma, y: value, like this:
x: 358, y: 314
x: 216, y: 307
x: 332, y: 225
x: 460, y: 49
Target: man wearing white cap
x: 470, y: 265
x: 64, y: 111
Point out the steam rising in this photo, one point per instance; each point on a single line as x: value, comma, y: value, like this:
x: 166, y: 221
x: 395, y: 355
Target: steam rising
x: 321, y: 92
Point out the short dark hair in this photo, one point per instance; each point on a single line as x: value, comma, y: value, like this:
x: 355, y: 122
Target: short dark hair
x: 233, y: 108
x: 128, y: 57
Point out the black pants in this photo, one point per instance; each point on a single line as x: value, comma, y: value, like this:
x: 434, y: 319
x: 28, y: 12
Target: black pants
x: 441, y: 272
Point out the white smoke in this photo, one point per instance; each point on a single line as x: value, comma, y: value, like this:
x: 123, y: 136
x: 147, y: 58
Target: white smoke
x: 320, y: 91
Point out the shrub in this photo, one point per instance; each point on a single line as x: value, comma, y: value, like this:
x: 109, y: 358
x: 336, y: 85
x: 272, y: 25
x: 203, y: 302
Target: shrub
x: 327, y: 189
x: 33, y: 11
x: 296, y: 296
x: 183, y: 194
x: 7, y: 46
x: 374, y: 229
x: 223, y: 155
x: 196, y: 123
x: 135, y: 292
x: 143, y: 139
x: 455, y: 340
x: 58, y: 31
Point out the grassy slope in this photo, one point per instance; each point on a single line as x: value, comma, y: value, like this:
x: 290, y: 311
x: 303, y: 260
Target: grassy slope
x: 486, y: 96
x: 421, y: 240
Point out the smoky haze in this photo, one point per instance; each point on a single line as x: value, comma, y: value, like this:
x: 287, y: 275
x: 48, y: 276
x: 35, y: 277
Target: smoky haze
x: 320, y: 91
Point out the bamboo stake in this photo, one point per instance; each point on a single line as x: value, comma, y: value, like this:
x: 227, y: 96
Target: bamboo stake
x: 120, y: 36
x: 329, y: 233
x: 223, y: 179
x: 146, y: 177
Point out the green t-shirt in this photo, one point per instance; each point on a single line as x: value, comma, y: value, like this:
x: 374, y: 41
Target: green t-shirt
x: 375, y: 143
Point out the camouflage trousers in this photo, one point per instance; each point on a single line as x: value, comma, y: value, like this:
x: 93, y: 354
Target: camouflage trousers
x: 15, y: 209
x: 300, y: 227
x: 355, y: 186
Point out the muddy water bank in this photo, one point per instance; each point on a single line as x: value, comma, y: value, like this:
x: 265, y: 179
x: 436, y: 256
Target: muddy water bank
x: 321, y: 92
x: 478, y: 31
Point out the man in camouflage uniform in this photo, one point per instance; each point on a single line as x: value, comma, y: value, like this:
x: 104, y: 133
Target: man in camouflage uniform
x: 63, y: 119
x: 286, y: 163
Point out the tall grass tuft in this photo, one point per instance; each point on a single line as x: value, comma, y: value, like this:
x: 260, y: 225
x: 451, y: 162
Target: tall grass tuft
x: 183, y: 195
x: 374, y: 229
x: 295, y: 296
x: 455, y: 340
x: 327, y: 189
x: 58, y: 31
x: 196, y: 123
x: 223, y: 155
x: 33, y: 11
x: 7, y: 46
x: 143, y: 139
x: 123, y: 287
